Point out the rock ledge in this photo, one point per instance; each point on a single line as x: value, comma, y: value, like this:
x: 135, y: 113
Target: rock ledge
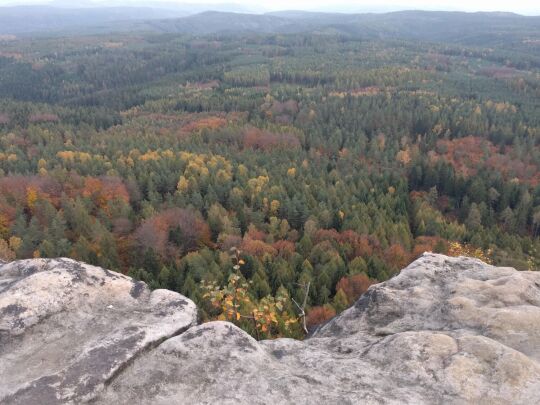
x: 445, y: 330
x: 67, y: 328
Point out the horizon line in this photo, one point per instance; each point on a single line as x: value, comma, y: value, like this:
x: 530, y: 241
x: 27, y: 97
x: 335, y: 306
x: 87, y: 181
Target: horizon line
x: 163, y: 5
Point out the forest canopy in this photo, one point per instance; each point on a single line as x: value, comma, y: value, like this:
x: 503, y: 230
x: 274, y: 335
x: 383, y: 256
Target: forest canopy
x: 241, y: 169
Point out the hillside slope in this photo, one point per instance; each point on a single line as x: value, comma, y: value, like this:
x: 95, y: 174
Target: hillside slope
x: 455, y: 27
x: 47, y: 19
x: 480, y: 29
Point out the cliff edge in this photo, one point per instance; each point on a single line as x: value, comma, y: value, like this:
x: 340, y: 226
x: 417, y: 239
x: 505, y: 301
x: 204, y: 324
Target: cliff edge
x: 445, y: 330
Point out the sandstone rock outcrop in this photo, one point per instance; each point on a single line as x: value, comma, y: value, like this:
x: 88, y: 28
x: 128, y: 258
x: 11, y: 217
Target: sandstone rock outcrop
x: 67, y: 328
x: 445, y: 330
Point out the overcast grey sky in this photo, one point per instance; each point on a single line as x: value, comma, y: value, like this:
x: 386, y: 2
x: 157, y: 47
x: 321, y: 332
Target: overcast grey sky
x: 519, y: 6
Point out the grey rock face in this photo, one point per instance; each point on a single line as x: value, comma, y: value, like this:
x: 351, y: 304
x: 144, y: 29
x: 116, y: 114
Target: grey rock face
x: 66, y: 328
x: 444, y: 331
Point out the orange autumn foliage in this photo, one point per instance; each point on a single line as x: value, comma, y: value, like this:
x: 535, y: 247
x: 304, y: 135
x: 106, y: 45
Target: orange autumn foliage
x: 361, y: 245
x: 396, y: 256
x: 257, y: 248
x: 205, y: 123
x: 155, y: 233
x: 470, y: 153
x: 426, y: 244
x: 284, y: 248
x: 27, y: 190
x: 256, y: 234
x: 354, y: 286
x: 31, y: 197
x: 465, y: 154
x: 102, y: 190
x: 43, y: 118
x: 318, y: 315
x: 255, y: 138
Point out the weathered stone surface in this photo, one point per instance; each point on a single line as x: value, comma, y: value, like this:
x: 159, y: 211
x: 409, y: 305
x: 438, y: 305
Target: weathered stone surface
x: 444, y: 331
x: 68, y: 328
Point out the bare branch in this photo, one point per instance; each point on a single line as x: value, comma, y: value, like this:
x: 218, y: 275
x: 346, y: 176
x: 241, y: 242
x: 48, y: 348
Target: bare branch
x: 299, y: 307
x: 302, y: 308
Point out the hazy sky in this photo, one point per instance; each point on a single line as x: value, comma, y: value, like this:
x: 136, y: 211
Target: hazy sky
x: 519, y: 6
x: 469, y: 5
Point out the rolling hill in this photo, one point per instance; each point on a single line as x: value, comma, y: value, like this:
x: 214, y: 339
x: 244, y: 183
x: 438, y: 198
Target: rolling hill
x: 480, y: 29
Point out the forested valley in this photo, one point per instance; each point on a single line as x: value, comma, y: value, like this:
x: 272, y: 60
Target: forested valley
x: 253, y: 172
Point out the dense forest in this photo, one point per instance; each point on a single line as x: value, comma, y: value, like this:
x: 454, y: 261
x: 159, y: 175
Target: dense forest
x: 253, y: 172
